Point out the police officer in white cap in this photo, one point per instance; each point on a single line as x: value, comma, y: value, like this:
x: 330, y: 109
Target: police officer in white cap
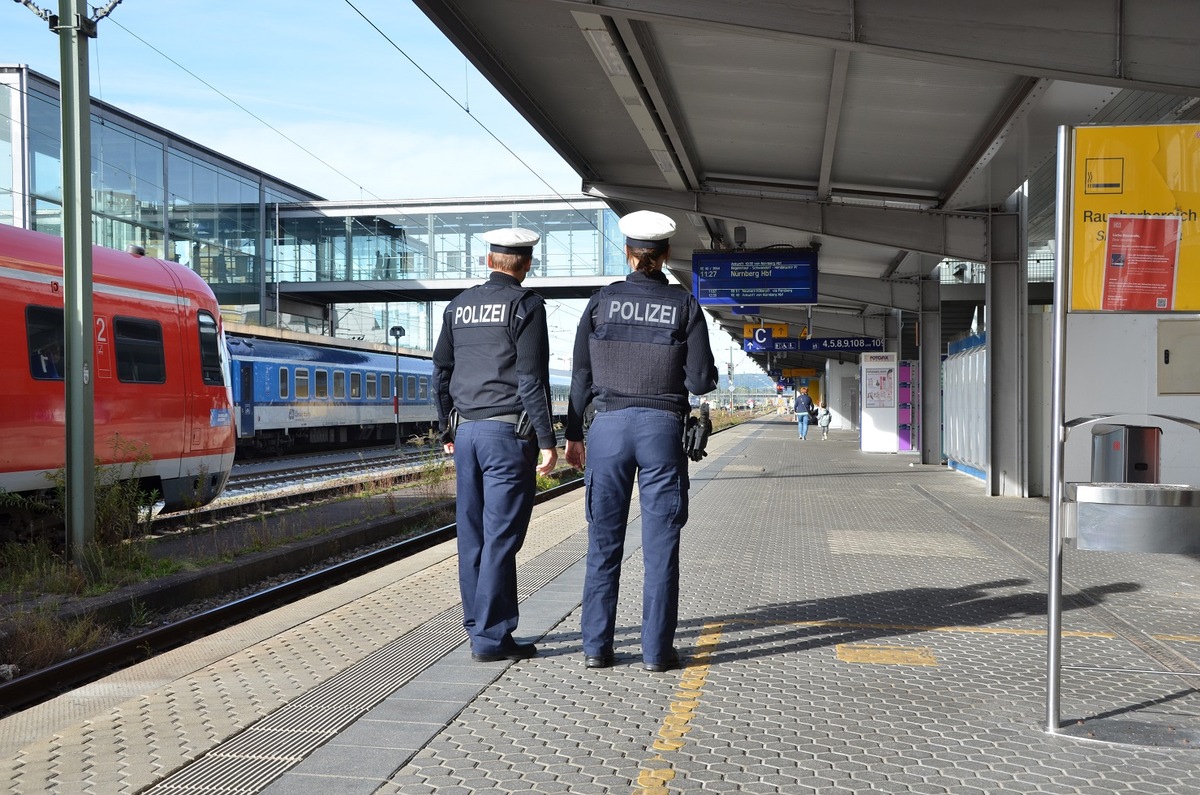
x: 641, y: 347
x: 491, y: 376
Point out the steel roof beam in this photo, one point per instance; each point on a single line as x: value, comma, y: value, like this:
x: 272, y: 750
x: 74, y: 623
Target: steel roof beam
x: 1142, y: 44
x: 959, y: 235
x: 833, y: 116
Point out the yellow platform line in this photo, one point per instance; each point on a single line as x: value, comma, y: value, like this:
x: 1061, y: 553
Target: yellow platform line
x: 925, y: 628
x: 658, y: 770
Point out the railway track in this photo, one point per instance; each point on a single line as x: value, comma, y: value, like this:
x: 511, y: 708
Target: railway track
x: 41, y: 685
x: 259, y: 489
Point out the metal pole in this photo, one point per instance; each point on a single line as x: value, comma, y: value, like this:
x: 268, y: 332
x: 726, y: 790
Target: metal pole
x: 397, y: 332
x: 73, y: 28
x: 1062, y: 256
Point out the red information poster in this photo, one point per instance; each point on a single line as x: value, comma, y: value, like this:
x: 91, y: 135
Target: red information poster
x: 1141, y: 259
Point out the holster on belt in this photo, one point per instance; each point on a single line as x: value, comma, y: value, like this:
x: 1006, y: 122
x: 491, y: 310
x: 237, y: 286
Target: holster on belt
x: 524, y: 428
x: 696, y: 431
x: 452, y: 420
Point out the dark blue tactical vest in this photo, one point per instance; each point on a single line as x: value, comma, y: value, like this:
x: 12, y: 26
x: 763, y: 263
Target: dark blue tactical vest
x: 483, y: 321
x: 638, y: 348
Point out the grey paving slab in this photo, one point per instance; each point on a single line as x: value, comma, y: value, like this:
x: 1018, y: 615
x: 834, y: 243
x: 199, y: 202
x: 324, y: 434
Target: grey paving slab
x: 849, y: 623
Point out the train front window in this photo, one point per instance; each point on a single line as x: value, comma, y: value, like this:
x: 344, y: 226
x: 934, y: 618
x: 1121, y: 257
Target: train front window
x: 210, y: 350
x: 44, y: 333
x: 139, y: 348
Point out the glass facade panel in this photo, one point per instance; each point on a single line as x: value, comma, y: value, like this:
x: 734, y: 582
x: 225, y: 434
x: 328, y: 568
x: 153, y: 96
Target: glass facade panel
x: 8, y: 169
x: 44, y: 148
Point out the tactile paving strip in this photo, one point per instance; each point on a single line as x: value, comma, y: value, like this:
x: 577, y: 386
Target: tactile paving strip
x: 272, y: 745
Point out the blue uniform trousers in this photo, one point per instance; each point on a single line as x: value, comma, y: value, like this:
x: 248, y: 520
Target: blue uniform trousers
x: 622, y: 444
x: 496, y: 483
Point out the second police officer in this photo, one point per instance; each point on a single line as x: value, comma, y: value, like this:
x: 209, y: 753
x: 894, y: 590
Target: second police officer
x: 491, y: 377
x: 641, y: 347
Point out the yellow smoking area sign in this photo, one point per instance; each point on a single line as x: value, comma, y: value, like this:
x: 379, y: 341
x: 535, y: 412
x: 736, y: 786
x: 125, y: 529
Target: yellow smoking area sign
x: 799, y: 372
x: 1135, y: 219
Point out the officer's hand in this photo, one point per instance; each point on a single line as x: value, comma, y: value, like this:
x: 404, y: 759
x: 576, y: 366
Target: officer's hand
x: 576, y: 454
x: 549, y: 460
x: 448, y: 448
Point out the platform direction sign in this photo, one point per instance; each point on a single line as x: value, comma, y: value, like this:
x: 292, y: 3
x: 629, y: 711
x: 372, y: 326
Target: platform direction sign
x: 847, y: 344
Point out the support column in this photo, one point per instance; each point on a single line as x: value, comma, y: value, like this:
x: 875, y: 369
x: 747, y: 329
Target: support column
x: 929, y: 338
x: 1007, y: 299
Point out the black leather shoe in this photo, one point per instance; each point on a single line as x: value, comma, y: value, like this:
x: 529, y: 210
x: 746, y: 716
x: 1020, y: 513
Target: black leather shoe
x: 513, y: 651
x: 668, y: 663
x: 599, y: 661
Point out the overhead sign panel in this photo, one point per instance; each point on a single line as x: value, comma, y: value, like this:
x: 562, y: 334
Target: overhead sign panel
x: 738, y: 278
x: 850, y: 344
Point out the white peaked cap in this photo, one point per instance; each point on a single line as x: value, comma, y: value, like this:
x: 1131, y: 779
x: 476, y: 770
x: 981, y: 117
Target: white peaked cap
x: 512, y: 241
x: 646, y: 227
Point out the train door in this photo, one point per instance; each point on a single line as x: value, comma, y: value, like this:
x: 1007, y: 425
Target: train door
x: 246, y: 376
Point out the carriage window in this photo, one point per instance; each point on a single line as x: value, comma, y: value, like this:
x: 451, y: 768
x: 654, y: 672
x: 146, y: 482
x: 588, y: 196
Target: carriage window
x: 44, y: 332
x: 371, y: 393
x: 321, y: 387
x: 139, y: 348
x: 283, y: 382
x: 424, y: 382
x: 412, y: 388
x: 385, y: 386
x: 301, y: 384
x: 339, y: 385
x: 356, y: 385
x: 210, y: 351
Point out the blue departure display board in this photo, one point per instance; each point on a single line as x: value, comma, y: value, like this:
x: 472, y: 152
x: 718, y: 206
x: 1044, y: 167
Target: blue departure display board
x: 738, y: 278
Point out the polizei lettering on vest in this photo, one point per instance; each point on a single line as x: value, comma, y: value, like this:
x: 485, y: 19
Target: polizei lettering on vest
x: 642, y: 312
x: 483, y: 313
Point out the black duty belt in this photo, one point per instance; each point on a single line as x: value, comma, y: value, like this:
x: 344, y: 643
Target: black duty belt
x: 511, y: 419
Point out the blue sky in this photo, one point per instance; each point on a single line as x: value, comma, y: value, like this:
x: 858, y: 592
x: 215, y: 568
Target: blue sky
x: 311, y: 92
x: 340, y: 110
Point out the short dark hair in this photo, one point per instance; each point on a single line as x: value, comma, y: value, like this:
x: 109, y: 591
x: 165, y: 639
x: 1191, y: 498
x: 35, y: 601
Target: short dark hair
x: 509, y: 263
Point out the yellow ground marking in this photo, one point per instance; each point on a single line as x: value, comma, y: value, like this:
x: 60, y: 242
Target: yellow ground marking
x: 657, y: 770
x: 1180, y: 638
x: 924, y: 628
x: 885, y: 655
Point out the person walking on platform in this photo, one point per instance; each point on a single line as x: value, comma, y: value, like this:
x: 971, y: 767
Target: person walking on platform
x: 824, y: 420
x: 641, y: 347
x: 804, y: 407
x: 491, y: 378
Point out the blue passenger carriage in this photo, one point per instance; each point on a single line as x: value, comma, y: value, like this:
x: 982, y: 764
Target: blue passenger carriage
x: 293, y: 394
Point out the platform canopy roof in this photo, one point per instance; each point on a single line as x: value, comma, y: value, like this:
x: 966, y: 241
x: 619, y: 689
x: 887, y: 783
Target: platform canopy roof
x: 886, y: 131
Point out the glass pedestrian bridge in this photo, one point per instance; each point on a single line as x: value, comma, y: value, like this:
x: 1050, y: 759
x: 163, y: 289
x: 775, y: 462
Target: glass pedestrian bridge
x: 397, y: 257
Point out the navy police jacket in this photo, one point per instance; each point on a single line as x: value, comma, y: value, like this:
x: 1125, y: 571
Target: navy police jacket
x: 641, y: 342
x: 493, y: 356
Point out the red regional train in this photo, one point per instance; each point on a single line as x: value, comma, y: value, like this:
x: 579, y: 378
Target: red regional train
x: 159, y: 371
